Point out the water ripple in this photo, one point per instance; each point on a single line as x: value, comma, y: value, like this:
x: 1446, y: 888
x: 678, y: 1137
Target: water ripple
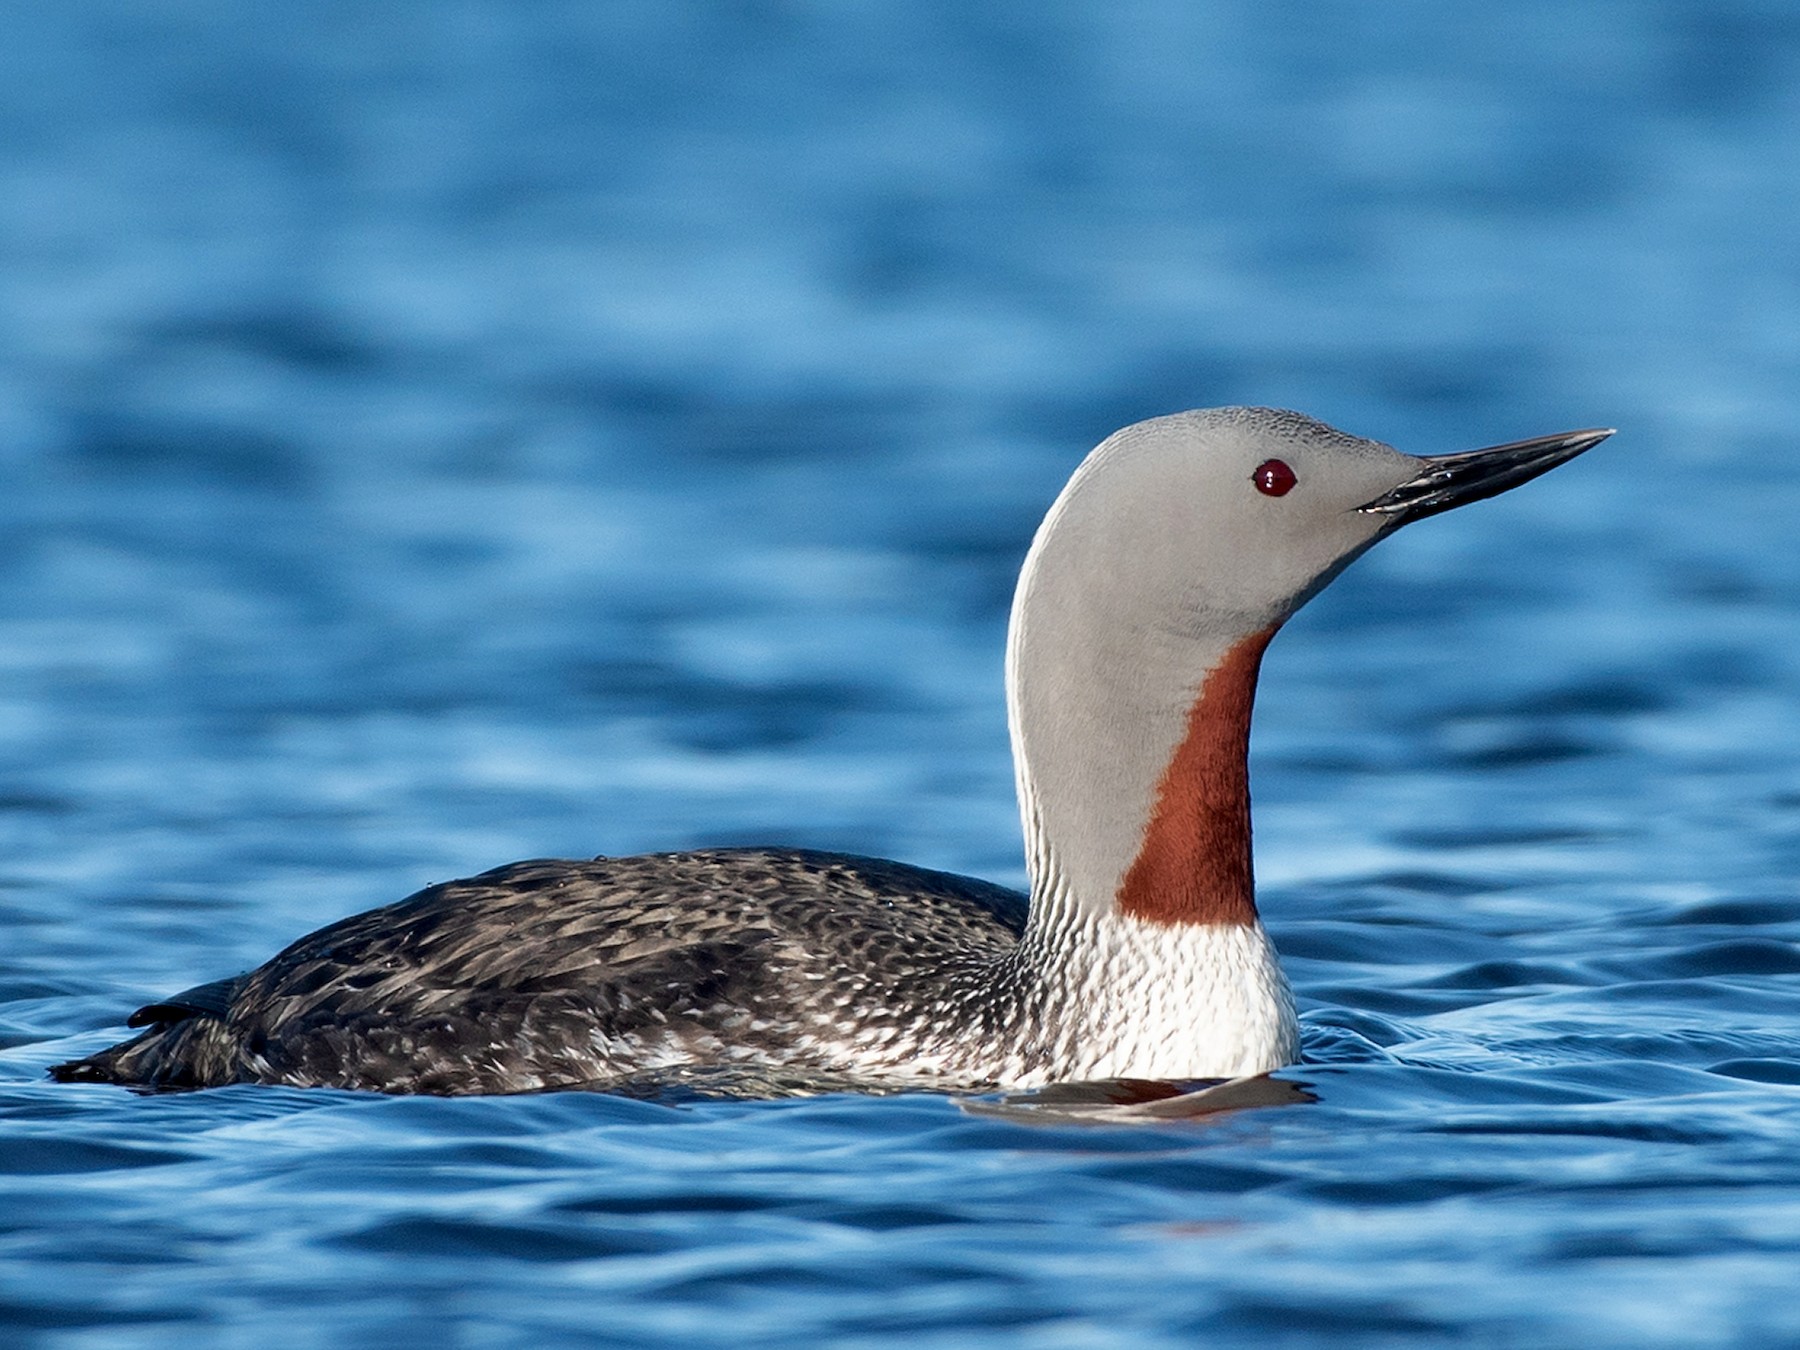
x: 440, y: 437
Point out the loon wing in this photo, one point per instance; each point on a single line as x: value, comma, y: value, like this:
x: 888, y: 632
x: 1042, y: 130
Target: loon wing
x: 212, y: 999
x: 559, y: 973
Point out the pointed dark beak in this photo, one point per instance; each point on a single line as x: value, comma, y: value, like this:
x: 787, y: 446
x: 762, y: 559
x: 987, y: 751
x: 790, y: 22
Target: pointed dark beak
x: 1456, y: 480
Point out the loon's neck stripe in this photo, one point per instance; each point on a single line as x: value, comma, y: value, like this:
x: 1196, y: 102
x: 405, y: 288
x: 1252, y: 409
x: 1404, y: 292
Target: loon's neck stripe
x: 1193, y: 865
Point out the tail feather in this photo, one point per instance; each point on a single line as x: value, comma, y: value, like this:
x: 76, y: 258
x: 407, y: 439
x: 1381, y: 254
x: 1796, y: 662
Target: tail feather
x: 93, y: 1069
x: 173, y: 1053
x: 203, y: 1000
x: 132, y: 1063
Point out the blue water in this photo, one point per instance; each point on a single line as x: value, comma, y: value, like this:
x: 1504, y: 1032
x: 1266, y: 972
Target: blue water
x: 437, y: 434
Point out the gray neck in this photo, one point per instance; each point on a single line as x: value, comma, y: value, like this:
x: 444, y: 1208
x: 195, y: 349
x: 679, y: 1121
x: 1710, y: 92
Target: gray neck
x: 1105, y: 681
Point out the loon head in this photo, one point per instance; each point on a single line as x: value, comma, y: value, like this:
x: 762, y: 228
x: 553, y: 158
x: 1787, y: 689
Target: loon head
x: 1161, y: 572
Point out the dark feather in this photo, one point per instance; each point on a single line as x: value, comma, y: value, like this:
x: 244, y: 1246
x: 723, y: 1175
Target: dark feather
x: 555, y: 973
x: 203, y: 1000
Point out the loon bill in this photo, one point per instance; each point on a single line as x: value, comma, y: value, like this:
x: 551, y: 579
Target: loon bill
x: 1163, y: 569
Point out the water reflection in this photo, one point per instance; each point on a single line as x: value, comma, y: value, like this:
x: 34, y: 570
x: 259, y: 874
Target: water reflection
x: 1116, y: 1101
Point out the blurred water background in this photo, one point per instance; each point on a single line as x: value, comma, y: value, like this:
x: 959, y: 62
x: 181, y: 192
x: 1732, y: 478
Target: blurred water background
x: 436, y: 434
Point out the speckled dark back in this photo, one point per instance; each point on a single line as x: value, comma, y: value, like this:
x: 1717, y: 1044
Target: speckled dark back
x: 555, y: 972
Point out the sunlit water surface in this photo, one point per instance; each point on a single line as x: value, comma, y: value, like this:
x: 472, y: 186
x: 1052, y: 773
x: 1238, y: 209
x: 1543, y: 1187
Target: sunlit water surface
x: 444, y: 435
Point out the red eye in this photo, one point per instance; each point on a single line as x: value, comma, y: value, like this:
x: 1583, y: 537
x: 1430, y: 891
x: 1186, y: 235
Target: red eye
x: 1273, y: 478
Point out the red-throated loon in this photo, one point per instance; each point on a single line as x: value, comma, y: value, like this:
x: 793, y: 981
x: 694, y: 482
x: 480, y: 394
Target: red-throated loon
x: 1165, y: 566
